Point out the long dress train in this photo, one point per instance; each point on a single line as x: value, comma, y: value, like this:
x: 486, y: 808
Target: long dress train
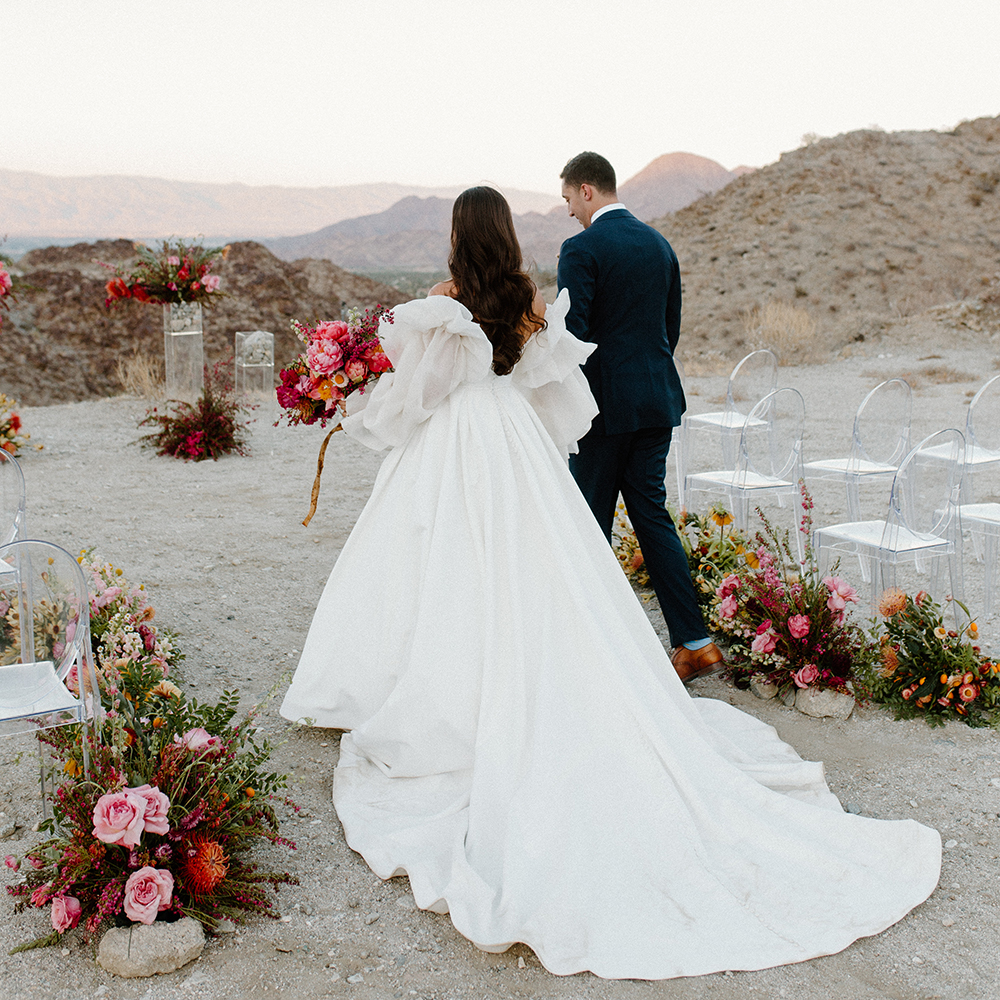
x: 520, y: 745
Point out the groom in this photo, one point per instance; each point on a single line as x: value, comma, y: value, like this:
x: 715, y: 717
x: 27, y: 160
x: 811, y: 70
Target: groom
x: 625, y: 296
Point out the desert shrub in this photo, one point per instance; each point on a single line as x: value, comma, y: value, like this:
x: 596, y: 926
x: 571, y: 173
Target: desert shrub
x: 786, y: 329
x: 141, y: 375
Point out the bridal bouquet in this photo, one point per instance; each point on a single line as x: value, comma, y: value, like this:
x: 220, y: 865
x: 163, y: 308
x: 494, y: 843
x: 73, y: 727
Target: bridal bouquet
x: 178, y: 272
x: 340, y: 358
x: 928, y: 670
x: 784, y: 621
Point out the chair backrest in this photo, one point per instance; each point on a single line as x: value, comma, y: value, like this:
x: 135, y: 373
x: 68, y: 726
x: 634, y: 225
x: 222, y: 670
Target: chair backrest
x: 46, y: 579
x: 771, y: 442
x: 11, y: 498
x: 982, y: 424
x: 925, y: 493
x: 751, y: 380
x: 882, y: 425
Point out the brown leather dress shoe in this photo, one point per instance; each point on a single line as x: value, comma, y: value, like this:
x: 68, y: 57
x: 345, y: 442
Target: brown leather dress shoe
x: 691, y: 664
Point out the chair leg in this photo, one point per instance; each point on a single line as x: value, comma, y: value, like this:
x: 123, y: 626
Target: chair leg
x: 989, y: 569
x: 680, y: 453
x: 853, y: 498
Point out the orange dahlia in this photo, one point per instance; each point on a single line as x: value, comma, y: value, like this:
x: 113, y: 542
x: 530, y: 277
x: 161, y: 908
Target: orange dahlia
x: 206, y: 865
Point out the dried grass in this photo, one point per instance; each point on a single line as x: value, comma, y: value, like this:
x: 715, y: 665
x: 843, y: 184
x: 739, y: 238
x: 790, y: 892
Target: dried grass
x: 787, y: 330
x: 141, y: 375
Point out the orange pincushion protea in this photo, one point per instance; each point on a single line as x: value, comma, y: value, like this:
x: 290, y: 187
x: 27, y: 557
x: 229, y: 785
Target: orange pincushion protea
x: 892, y: 602
x: 206, y: 867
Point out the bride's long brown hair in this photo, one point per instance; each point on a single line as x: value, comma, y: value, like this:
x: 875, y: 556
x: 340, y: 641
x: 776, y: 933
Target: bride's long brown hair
x: 486, y: 266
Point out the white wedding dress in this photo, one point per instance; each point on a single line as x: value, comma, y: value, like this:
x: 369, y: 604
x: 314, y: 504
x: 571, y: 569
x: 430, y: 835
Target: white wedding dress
x: 520, y: 745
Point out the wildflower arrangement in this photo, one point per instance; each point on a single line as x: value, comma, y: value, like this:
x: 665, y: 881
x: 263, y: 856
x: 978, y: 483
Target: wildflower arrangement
x: 626, y: 548
x: 780, y: 619
x: 208, y: 428
x: 340, y: 358
x: 177, y: 272
x: 12, y: 436
x: 714, y: 549
x: 176, y: 798
x: 929, y: 671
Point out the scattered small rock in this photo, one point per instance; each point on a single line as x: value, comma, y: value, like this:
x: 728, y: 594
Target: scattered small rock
x: 7, y: 829
x: 949, y: 844
x: 917, y: 960
x: 948, y: 922
x: 352, y: 901
x: 406, y: 902
x: 150, y: 949
x: 371, y: 918
x: 357, y: 977
x: 520, y: 961
x: 762, y: 687
x: 225, y: 926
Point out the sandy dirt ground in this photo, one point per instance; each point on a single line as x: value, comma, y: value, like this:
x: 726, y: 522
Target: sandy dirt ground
x: 221, y: 548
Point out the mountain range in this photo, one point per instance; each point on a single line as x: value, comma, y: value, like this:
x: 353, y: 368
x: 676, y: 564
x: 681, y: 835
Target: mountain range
x: 413, y: 234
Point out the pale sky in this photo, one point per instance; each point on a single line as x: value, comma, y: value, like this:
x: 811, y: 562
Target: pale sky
x: 441, y: 92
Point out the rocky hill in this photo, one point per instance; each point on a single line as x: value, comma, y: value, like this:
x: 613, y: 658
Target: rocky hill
x: 858, y: 230
x: 59, y: 343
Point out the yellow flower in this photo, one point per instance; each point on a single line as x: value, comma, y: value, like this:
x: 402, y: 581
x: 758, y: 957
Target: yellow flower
x: 721, y: 516
x: 72, y: 768
x: 940, y: 633
x: 973, y: 630
x: 752, y: 561
x: 944, y: 678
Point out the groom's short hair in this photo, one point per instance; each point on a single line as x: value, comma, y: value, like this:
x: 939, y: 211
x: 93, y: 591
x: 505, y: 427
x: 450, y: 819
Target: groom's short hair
x: 592, y: 169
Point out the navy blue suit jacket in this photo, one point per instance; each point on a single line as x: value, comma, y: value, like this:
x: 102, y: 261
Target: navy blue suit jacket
x: 625, y: 296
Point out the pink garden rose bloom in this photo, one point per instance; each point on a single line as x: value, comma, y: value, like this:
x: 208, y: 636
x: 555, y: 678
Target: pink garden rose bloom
x: 764, y: 642
x: 728, y: 606
x: 332, y: 329
x: 173, y: 261
x: 196, y: 740
x: 355, y: 370
x: 211, y: 282
x: 119, y: 818
x: 157, y: 804
x: 731, y: 583
x: 841, y: 592
x: 147, y: 891
x: 324, y: 356
x: 66, y: 912
x: 806, y: 675
x: 798, y: 625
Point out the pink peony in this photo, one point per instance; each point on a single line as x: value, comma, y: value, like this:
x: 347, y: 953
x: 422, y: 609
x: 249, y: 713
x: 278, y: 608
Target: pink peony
x: 119, y: 818
x: 379, y: 362
x: 157, y: 804
x: 356, y: 370
x: 806, y: 675
x: 728, y: 606
x: 332, y: 329
x: 841, y: 592
x: 211, y: 282
x: 147, y: 891
x: 196, y: 740
x: 324, y: 356
x: 66, y: 912
x: 798, y: 625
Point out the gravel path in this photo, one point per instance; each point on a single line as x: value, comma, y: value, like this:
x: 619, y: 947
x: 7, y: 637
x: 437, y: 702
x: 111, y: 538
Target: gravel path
x: 220, y: 547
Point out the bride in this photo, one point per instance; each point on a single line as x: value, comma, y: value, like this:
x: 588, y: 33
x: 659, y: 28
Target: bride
x: 520, y: 745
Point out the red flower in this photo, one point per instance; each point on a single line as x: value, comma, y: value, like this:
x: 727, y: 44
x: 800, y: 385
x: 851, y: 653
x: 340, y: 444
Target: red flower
x: 139, y: 292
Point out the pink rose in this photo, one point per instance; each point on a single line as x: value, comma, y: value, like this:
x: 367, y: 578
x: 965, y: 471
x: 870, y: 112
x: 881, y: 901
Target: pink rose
x: 196, y: 740
x: 806, y: 675
x: 324, y: 356
x: 798, y: 625
x: 147, y: 891
x: 119, y: 818
x: 841, y: 592
x: 174, y: 261
x: 731, y: 583
x: 157, y: 804
x: 764, y: 643
x: 211, y: 282
x: 728, y: 606
x: 332, y: 329
x: 356, y: 370
x: 5, y: 281
x: 66, y: 912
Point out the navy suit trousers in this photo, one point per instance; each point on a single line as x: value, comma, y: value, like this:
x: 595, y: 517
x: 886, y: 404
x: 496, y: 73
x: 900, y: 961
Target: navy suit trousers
x: 634, y: 464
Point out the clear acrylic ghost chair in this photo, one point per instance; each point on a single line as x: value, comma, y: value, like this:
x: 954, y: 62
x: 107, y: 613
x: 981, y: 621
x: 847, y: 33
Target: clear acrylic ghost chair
x: 11, y: 498
x: 983, y: 521
x: 880, y: 439
x: 47, y: 674
x: 749, y: 382
x: 769, y: 461
x: 922, y: 526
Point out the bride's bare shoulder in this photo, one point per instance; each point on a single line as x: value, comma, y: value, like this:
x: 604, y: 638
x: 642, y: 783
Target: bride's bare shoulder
x: 444, y: 288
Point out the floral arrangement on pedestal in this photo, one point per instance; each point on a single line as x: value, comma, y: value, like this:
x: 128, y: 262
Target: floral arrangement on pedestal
x: 12, y: 436
x: 175, y: 800
x: 214, y: 425
x: 927, y: 670
x: 341, y: 357
x: 782, y: 621
x: 714, y: 548
x: 177, y: 272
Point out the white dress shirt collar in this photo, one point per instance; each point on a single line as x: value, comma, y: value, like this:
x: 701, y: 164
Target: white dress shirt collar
x: 607, y: 208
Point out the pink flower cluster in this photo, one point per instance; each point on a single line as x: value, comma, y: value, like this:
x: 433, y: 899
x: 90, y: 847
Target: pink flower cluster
x: 841, y: 594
